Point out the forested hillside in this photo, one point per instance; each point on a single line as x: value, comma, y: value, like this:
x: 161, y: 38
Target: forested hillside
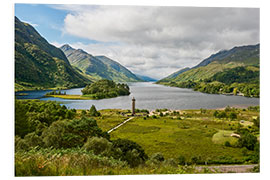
x: 39, y: 64
x: 235, y: 71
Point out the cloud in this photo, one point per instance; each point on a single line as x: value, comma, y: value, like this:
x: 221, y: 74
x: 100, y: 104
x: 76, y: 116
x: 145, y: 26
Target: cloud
x: 157, y: 41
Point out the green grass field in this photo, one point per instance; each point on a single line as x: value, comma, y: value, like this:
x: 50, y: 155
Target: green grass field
x: 189, y: 134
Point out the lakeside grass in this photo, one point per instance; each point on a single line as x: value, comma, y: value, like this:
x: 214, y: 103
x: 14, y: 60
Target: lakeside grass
x: 71, y: 96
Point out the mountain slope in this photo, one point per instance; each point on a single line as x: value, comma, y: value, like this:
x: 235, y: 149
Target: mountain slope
x: 98, y: 67
x: 39, y: 64
x: 226, y: 59
x: 234, y: 71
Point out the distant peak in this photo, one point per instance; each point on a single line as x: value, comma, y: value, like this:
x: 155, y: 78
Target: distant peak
x: 66, y: 47
x: 82, y: 51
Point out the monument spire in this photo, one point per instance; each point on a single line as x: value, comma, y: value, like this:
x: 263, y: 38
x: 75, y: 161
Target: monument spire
x: 133, y: 106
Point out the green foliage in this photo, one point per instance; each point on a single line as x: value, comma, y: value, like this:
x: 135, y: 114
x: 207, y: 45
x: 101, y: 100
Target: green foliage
x: 56, y: 93
x: 59, y: 162
x: 247, y: 140
x: 237, y: 75
x: 98, y: 145
x: 228, y: 144
x: 158, y: 157
x: 106, y: 89
x: 70, y: 133
x: 129, y: 151
x: 39, y: 64
x: 93, y: 111
x: 33, y: 115
x: 220, y: 114
x: 181, y: 160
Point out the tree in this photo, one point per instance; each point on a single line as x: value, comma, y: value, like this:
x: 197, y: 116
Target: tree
x: 129, y: 151
x: 93, y: 111
x: 233, y: 115
x: 71, y: 133
x: 247, y: 140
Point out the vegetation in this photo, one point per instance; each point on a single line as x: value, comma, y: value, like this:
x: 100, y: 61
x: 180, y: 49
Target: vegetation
x: 234, y: 72
x: 74, y: 144
x: 98, y: 67
x: 106, y: 89
x: 39, y: 64
x: 192, y: 136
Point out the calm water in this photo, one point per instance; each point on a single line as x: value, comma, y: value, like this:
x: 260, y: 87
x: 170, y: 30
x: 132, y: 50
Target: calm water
x: 151, y: 96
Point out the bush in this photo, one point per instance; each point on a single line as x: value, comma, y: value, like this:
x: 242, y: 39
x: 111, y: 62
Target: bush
x: 247, y: 140
x: 227, y: 144
x: 181, y: 160
x: 98, y: 145
x: 129, y: 151
x: 158, y: 157
x: 71, y: 133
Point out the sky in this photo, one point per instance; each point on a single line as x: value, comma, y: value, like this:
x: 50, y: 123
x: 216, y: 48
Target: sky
x: 149, y: 40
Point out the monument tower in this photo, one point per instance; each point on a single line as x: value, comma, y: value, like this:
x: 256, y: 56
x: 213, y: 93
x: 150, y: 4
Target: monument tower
x: 133, y: 106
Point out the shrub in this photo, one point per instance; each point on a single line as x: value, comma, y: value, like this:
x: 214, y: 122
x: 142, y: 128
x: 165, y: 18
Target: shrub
x: 157, y: 157
x: 71, y: 133
x: 129, y: 151
x: 98, y: 145
x: 181, y: 160
x: 247, y: 140
x: 227, y: 144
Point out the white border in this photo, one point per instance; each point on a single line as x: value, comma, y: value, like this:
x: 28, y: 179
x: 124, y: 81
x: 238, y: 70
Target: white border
x: 7, y: 79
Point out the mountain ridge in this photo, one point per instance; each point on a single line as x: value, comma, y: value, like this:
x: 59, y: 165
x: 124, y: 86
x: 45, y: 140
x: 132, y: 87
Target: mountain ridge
x: 237, y: 56
x: 98, y: 67
x: 40, y: 65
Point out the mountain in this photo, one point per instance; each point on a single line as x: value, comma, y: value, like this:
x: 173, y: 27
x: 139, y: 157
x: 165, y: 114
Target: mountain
x: 39, y: 64
x: 98, y: 67
x: 175, y: 74
x: 225, y: 59
x: 235, y: 71
x: 146, y: 78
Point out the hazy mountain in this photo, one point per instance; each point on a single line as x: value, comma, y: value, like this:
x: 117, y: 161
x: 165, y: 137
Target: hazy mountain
x: 98, y: 67
x: 39, y: 64
x: 146, y: 78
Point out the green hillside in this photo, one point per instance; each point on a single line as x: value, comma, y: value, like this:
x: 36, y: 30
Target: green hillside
x: 40, y: 65
x: 98, y: 67
x: 234, y: 71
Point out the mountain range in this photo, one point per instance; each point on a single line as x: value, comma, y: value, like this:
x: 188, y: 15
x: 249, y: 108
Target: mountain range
x: 235, y: 71
x: 225, y: 59
x: 39, y: 64
x: 98, y: 67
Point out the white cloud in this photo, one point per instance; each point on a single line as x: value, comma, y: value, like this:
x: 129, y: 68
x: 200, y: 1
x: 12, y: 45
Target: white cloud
x: 157, y: 41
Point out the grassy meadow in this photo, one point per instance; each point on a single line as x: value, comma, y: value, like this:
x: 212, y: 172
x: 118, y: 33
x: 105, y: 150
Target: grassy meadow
x: 191, y: 133
x: 52, y: 140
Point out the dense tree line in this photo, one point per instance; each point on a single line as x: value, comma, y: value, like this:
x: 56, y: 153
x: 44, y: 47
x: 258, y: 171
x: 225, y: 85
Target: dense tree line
x: 236, y: 81
x: 106, y: 89
x: 237, y: 75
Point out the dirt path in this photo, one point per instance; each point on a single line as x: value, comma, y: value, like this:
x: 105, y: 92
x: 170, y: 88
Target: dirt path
x: 119, y: 125
x: 228, y: 168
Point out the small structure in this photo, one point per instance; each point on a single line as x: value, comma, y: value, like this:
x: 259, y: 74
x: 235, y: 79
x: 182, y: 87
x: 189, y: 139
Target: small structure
x: 133, y: 106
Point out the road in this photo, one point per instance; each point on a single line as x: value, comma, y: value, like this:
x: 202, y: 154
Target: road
x: 119, y: 125
x: 228, y: 168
